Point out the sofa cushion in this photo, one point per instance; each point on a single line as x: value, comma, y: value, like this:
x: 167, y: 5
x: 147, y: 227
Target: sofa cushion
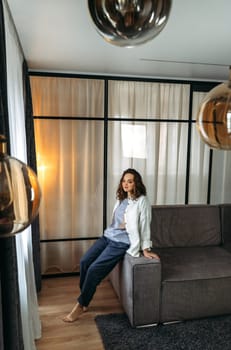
x: 195, y: 263
x: 195, y: 283
x: 185, y: 226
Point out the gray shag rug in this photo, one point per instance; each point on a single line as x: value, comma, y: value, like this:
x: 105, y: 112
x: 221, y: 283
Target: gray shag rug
x: 213, y: 333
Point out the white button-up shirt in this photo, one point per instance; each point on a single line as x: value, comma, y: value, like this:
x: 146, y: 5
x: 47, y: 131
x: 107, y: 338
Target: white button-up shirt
x: 137, y: 222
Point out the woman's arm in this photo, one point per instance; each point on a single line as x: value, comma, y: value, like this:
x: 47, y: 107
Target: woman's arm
x: 144, y: 222
x: 145, y: 233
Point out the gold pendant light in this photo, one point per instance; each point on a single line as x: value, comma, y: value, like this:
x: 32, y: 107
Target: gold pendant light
x: 214, y: 116
x: 129, y: 22
x: 19, y: 193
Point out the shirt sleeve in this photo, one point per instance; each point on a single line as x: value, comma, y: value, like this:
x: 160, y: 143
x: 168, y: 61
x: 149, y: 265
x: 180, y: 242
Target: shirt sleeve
x: 144, y: 223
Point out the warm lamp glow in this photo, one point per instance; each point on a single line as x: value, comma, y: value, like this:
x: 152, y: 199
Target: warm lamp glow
x: 19, y: 193
x: 129, y: 22
x: 214, y: 117
x: 46, y: 171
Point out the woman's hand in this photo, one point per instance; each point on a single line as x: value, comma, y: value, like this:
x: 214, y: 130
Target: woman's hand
x: 150, y: 255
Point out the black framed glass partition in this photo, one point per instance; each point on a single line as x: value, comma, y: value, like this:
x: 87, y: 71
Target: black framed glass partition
x: 89, y: 129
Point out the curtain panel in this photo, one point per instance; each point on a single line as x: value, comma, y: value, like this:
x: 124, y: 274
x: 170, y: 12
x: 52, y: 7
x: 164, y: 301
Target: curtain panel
x: 27, y: 299
x: 70, y: 154
x: 159, y: 111
x: 10, y: 314
x: 31, y: 160
x: 152, y: 128
x: 199, y: 159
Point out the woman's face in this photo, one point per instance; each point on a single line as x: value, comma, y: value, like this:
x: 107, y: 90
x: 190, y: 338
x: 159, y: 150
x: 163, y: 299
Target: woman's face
x: 128, y: 184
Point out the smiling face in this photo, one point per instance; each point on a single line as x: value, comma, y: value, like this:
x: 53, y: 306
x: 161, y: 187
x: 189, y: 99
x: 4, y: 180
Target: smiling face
x: 128, y: 184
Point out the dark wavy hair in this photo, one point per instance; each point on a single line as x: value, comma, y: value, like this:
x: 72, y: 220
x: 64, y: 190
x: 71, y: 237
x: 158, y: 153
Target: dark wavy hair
x: 139, y: 190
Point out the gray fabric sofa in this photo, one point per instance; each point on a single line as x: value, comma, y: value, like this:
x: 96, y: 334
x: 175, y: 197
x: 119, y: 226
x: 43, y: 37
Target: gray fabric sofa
x: 192, y: 278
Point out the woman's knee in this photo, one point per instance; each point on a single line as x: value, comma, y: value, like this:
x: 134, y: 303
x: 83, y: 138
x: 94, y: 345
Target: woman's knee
x: 84, y: 262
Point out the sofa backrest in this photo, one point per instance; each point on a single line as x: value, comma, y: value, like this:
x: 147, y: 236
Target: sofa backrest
x: 226, y: 223
x: 185, y: 225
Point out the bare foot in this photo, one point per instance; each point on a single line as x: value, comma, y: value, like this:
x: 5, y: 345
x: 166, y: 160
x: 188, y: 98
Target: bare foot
x: 77, y: 311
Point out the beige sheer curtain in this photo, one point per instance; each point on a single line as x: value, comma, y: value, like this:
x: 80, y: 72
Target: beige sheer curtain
x: 31, y: 325
x: 199, y: 159
x: 67, y: 97
x: 70, y: 166
x: 221, y: 177
x: 163, y: 163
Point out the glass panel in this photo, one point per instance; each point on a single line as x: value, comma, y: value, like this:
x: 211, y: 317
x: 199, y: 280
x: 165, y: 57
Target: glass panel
x: 70, y: 172
x: 221, y: 177
x: 62, y: 257
x: 199, y: 169
x: 197, y: 99
x: 199, y: 160
x: 67, y: 97
x: 147, y: 100
x: 162, y: 163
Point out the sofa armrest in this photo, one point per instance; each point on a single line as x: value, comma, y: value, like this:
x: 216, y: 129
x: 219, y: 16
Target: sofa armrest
x: 139, y: 289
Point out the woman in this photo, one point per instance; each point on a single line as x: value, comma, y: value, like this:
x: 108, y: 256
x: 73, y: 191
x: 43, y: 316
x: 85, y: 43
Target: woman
x: 129, y: 232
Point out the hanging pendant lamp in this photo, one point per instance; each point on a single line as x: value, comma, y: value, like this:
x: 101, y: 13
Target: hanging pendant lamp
x: 19, y: 193
x: 129, y: 22
x: 214, y: 116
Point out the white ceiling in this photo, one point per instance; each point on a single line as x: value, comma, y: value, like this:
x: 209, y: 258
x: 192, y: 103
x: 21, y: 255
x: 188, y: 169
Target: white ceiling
x: 59, y: 35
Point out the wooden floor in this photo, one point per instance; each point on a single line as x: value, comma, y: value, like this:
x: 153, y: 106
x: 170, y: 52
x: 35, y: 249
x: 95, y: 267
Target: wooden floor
x: 56, y: 299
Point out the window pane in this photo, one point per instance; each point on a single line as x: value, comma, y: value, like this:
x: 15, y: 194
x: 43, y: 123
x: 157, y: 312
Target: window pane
x: 54, y: 256
x: 70, y: 172
x: 67, y: 97
x: 199, y: 160
x: 197, y: 99
x: 221, y: 177
x: 199, y: 169
x: 147, y: 100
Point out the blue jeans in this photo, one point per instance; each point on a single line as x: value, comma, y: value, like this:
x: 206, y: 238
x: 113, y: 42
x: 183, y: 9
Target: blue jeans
x: 96, y: 264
